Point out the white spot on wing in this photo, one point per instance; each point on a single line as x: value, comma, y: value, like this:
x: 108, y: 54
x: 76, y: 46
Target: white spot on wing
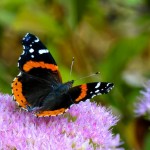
x: 108, y: 84
x: 14, y: 79
x: 93, y: 96
x: 42, y: 51
x: 16, y: 101
x: 32, y: 56
x: 99, y: 94
x: 12, y: 90
x: 23, y: 53
x: 19, y: 74
x: 31, y: 50
x: 66, y: 110
x: 26, y: 34
x: 96, y: 91
x: 14, y: 97
x: 98, y: 85
x: 37, y: 39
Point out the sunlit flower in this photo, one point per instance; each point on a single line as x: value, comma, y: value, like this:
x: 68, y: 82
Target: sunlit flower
x: 143, y: 104
x: 86, y: 126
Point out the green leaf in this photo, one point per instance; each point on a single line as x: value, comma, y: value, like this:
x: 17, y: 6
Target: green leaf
x: 147, y: 142
x: 121, y: 54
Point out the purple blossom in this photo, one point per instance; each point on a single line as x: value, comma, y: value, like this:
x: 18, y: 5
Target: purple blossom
x: 142, y: 107
x: 86, y: 126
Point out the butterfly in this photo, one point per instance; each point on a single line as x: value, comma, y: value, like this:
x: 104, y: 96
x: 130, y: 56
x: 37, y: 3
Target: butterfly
x: 38, y: 87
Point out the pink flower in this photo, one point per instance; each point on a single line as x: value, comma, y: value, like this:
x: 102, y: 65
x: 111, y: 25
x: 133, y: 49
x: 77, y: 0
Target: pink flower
x: 85, y: 126
x: 142, y: 107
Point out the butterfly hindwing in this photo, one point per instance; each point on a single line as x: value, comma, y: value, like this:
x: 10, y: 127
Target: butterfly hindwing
x: 73, y: 96
x: 89, y: 90
x: 28, y: 90
x: 54, y: 107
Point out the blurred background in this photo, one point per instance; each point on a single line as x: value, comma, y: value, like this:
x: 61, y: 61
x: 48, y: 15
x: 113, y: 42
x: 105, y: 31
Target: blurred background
x: 112, y: 37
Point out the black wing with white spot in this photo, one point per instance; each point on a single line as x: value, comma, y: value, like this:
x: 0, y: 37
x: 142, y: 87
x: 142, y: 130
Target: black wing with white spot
x: 75, y: 95
x: 36, y: 60
x: 89, y: 90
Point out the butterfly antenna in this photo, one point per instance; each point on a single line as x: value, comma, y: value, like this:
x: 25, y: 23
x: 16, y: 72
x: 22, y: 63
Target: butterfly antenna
x: 71, y: 66
x: 91, y: 75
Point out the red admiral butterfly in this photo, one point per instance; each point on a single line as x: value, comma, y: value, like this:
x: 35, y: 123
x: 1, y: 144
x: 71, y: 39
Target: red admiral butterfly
x: 39, y: 88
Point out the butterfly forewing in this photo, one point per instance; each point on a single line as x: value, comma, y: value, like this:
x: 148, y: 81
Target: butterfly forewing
x: 36, y: 59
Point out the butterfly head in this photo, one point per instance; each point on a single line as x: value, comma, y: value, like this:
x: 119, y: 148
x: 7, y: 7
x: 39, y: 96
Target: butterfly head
x: 69, y: 83
x: 63, y: 88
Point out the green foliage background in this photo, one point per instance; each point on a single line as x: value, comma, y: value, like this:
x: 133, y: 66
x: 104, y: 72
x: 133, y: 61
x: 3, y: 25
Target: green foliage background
x: 112, y: 37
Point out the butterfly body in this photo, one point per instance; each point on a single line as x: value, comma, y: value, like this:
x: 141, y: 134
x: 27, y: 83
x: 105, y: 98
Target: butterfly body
x: 39, y: 88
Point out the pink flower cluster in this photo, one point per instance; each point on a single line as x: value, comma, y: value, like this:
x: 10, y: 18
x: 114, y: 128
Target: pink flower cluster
x: 142, y: 107
x: 86, y: 126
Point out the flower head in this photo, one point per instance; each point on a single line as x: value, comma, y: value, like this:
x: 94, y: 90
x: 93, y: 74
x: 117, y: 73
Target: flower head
x: 86, y: 126
x: 142, y: 107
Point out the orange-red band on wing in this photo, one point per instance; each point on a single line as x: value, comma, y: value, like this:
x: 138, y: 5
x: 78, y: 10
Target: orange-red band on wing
x: 17, y: 92
x: 50, y: 113
x: 83, y: 92
x: 32, y: 64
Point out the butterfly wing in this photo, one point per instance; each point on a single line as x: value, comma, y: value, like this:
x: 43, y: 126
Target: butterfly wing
x: 38, y: 75
x: 89, y: 90
x: 73, y: 96
x: 30, y: 91
x: 54, y: 107
x: 36, y: 60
